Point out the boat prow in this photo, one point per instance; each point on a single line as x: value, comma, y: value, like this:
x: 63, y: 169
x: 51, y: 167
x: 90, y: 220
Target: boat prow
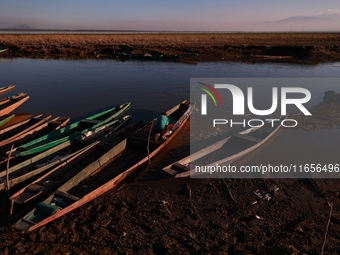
x: 7, y: 105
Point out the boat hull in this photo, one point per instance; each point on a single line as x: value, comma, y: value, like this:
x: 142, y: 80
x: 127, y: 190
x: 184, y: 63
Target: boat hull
x: 7, y: 105
x: 224, y: 152
x: 108, y: 174
x: 72, y: 131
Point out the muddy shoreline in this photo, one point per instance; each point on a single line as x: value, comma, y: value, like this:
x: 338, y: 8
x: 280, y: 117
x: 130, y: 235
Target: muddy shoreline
x: 309, y: 48
x: 153, y: 213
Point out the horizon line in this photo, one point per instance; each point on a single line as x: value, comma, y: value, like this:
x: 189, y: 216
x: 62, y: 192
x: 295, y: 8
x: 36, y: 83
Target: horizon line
x: 163, y: 31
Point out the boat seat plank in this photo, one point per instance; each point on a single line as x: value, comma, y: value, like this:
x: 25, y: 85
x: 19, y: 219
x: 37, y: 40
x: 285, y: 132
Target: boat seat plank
x: 179, y: 167
x: 176, y: 168
x: 56, y: 122
x: 28, y: 221
x: 34, y: 188
x: 27, y: 196
x: 66, y: 195
x: 90, y: 121
x: 170, y: 171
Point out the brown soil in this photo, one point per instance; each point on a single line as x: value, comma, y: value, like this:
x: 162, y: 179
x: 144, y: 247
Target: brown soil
x: 158, y: 215
x: 246, y: 47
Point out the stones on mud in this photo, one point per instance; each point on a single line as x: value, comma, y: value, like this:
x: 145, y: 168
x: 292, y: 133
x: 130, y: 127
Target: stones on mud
x: 105, y: 223
x: 253, y: 202
x: 293, y: 250
x: 263, y: 195
x: 259, y: 217
x: 163, y: 202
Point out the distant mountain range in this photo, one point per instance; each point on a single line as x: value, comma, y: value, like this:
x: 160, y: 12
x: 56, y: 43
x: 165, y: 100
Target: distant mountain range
x: 315, y: 18
x: 5, y: 25
x: 322, y: 22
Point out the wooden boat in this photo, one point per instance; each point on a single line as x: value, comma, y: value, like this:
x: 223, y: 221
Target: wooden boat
x: 4, y: 119
x: 9, y: 104
x: 224, y: 152
x: 9, y: 133
x: 6, y: 89
x: 17, y: 119
x: 50, y: 180
x: 38, y: 126
x: 36, y: 165
x: 92, y: 124
x: 44, y: 161
x: 97, y: 178
x: 61, y: 173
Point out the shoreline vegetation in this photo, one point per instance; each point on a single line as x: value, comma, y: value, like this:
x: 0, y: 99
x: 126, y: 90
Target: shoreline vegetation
x: 309, y: 48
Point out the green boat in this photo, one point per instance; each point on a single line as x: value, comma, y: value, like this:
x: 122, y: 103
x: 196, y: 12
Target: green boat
x: 3, y: 50
x: 84, y: 127
x: 6, y: 118
x: 32, y: 167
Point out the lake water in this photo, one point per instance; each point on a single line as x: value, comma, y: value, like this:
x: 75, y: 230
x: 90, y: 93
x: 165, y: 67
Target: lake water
x: 78, y: 88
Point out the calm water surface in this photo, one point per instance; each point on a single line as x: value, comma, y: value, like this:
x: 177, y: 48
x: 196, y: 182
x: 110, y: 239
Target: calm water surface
x: 78, y: 88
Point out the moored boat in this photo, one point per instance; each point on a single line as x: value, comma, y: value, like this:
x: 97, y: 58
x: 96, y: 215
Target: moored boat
x: 7, y: 105
x: 44, y: 161
x: 51, y: 179
x: 93, y: 124
x: 17, y: 120
x: 100, y: 178
x: 37, y: 165
x: 11, y: 133
x: 39, y: 125
x: 6, y: 89
x: 4, y: 119
x: 225, y: 151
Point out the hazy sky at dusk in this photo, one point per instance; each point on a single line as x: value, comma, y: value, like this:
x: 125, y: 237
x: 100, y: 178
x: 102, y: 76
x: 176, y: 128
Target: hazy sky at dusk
x: 198, y: 15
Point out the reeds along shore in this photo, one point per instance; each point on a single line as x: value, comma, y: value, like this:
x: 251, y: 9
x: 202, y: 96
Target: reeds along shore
x: 208, y: 46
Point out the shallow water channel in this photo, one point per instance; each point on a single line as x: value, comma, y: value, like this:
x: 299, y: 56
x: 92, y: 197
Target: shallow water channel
x: 78, y: 88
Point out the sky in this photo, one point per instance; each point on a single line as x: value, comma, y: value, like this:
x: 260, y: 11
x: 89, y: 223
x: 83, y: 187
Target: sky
x: 174, y: 15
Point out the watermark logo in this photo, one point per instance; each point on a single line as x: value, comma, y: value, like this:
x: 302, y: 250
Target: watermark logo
x: 239, y: 99
x: 211, y: 91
